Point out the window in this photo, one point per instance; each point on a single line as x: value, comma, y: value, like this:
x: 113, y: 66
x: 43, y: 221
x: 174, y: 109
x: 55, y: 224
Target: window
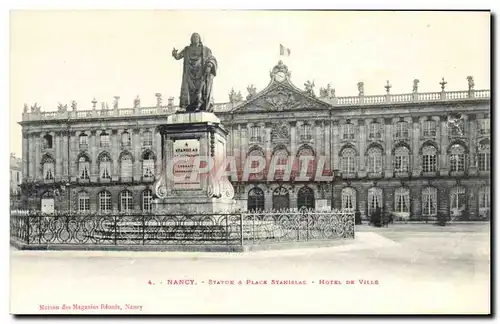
x: 147, y: 199
x: 374, y: 199
x: 348, y: 160
x: 457, y: 202
x: 255, y: 163
x: 484, y: 201
x: 84, y: 142
x: 105, y: 167
x: 83, y: 168
x: 430, y: 128
x: 305, y: 198
x: 47, y: 142
x: 104, y: 140
x: 147, y: 138
x: 374, y: 131
x: 126, y: 166
x: 483, y: 157
x: 83, y: 202
x: 255, y: 133
x: 280, y: 158
x: 429, y: 201
x: 255, y: 199
x: 305, y: 132
x: 348, y: 131
x: 126, y: 201
x: 402, y: 200
x: 125, y: 139
x: 148, y: 165
x: 374, y: 160
x: 349, y: 199
x: 105, y: 201
x: 305, y: 162
x: 48, y: 168
x: 402, y: 130
x: 429, y: 159
x: 401, y: 159
x: 457, y: 158
x: 484, y: 126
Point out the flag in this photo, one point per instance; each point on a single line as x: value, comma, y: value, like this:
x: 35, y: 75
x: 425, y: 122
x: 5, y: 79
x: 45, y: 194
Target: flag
x: 284, y: 51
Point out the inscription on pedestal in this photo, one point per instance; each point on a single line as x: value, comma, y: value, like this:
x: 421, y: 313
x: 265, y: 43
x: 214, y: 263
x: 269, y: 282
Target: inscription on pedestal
x: 186, y: 155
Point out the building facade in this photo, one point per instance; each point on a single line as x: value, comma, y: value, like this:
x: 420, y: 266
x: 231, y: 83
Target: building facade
x: 413, y: 154
x: 15, y: 180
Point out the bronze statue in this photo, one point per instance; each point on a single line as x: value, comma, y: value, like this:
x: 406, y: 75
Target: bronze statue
x: 199, y: 70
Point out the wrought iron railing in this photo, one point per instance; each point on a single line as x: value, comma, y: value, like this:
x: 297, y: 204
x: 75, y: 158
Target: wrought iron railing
x: 234, y: 229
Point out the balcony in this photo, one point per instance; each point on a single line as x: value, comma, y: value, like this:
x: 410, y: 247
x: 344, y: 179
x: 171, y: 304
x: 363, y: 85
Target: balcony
x: 83, y: 147
x: 306, y: 138
x: 255, y: 139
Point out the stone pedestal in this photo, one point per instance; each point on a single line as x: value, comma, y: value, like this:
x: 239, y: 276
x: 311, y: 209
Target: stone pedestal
x: 193, y: 154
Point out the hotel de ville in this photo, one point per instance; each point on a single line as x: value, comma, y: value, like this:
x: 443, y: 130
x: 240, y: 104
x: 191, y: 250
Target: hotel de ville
x: 413, y: 154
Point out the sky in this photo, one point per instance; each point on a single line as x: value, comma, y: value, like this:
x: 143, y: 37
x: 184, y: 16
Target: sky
x: 59, y: 56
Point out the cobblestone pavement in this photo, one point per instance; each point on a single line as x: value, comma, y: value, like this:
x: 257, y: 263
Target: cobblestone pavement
x: 414, y: 268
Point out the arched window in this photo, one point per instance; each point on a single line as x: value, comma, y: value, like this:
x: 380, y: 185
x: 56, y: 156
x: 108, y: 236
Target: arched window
x: 83, y: 201
x: 348, y: 160
x: 349, y: 199
x: 401, y: 159
x: 255, y: 199
x: 401, y: 130
x: 255, y: 164
x: 483, y: 157
x: 457, y: 158
x: 305, y: 163
x: 105, y: 201
x: 429, y: 159
x: 402, y: 200
x: 147, y: 140
x: 126, y: 201
x: 305, y: 198
x: 374, y: 160
x: 48, y: 167
x: 281, y: 199
x: 484, y: 201
x: 126, y: 139
x: 84, y: 142
x: 457, y: 202
x: 47, y: 141
x: 147, y: 199
x: 105, y: 167
x: 280, y: 158
x: 83, y: 167
x: 126, y: 170
x: 374, y: 199
x: 148, y: 165
x: 429, y: 201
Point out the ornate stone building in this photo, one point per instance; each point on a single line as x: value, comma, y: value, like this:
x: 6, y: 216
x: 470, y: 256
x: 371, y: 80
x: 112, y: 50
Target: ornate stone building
x: 413, y: 154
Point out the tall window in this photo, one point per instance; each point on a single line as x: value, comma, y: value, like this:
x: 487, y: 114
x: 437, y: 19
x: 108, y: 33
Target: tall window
x: 147, y: 199
x: 305, y: 198
x: 126, y: 139
x: 255, y: 164
x: 305, y: 132
x: 401, y: 159
x: 126, y: 166
x: 83, y: 201
x: 457, y: 158
x: 429, y: 128
x: 280, y: 158
x: 84, y: 142
x: 348, y: 160
x: 374, y: 131
x: 148, y: 165
x: 457, y: 201
x: 104, y: 140
x: 484, y: 126
x: 105, y: 201
x: 105, y: 167
x: 429, y: 201
x: 348, y: 131
x: 83, y: 168
x: 306, y: 162
x: 402, y: 200
x: 374, y: 160
x: 255, y: 133
x: 484, y: 201
x: 48, y: 168
x: 255, y: 199
x: 126, y: 201
x: 402, y: 130
x: 349, y: 198
x: 47, y: 141
x: 429, y: 159
x: 374, y: 199
x: 483, y: 157
x: 147, y: 139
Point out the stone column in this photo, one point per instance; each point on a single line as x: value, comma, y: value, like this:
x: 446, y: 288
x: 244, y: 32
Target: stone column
x: 443, y: 146
x: 327, y: 141
x: 65, y: 156
x: 472, y: 140
x: 361, y: 138
x: 31, y: 154
x: 416, y: 131
x: 37, y: 152
x: 56, y: 138
x: 93, y: 156
x: 336, y: 146
x: 136, y: 152
x: 73, y: 153
x: 25, y: 157
x: 115, y: 153
x: 388, y: 144
x: 157, y: 147
x: 294, y: 138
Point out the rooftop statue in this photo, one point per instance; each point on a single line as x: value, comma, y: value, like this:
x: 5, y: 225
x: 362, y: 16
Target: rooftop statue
x: 199, y: 70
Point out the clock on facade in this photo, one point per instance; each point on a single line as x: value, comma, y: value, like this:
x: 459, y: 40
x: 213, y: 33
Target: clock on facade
x: 280, y: 76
